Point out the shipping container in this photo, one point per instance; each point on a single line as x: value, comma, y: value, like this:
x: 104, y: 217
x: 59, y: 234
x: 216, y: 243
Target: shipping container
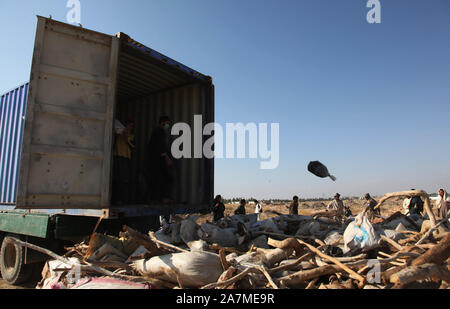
x: 57, y: 134
x: 12, y: 114
x: 60, y: 127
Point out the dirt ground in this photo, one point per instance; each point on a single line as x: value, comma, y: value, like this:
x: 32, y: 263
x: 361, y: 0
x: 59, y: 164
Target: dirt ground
x: 6, y: 286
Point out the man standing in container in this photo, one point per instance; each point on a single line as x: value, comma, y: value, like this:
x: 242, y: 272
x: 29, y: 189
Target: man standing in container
x: 161, y: 163
x: 123, y: 145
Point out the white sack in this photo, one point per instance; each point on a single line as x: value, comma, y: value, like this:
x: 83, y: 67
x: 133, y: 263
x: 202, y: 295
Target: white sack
x: 215, y: 235
x: 195, y: 269
x: 188, y: 230
x: 360, y: 235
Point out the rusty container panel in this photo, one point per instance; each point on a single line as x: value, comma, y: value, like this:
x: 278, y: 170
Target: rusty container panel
x: 66, y: 149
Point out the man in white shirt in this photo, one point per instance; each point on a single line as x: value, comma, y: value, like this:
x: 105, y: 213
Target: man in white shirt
x: 258, y: 209
x: 337, y: 205
x: 443, y: 203
x: 165, y: 223
x: 406, y: 203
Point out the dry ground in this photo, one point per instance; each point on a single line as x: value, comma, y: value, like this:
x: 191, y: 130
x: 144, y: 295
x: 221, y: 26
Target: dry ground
x: 308, y: 207
x: 6, y: 286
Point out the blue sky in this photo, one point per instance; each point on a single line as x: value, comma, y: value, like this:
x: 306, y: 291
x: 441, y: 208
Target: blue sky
x: 371, y: 101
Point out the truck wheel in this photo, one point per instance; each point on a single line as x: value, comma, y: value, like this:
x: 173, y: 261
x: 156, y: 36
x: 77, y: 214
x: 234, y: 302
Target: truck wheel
x: 12, y: 266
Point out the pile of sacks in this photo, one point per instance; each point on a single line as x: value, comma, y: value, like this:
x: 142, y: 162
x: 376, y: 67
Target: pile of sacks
x: 288, y: 251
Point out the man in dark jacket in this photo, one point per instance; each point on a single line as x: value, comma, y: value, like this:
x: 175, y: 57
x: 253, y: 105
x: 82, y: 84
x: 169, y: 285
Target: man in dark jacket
x: 160, y: 162
x: 218, y: 209
x: 293, y: 207
x: 241, y: 208
x: 416, y: 205
x: 370, y: 204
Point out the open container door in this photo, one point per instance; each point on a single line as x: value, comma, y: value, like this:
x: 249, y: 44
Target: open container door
x: 68, y: 134
x: 151, y: 85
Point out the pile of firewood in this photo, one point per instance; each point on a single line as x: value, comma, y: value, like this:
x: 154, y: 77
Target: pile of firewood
x: 289, y: 252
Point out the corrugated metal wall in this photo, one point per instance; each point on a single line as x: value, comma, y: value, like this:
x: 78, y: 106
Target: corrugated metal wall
x: 194, y: 177
x: 12, y: 115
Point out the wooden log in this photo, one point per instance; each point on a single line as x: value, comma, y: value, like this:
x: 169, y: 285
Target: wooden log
x: 115, y: 265
x: 105, y: 250
x: 286, y: 244
x: 422, y: 272
x: 268, y: 277
x: 440, y: 236
x: 223, y: 260
x: 227, y: 274
x: 305, y: 257
x: 228, y: 282
x: 165, y: 245
x: 392, y: 243
x: 312, y: 284
x: 352, y: 258
x: 325, y: 213
x: 438, y: 254
x: 420, y: 193
x: 336, y: 285
x: 384, y: 261
x: 284, y: 236
x: 86, y: 268
x: 425, y: 246
x: 430, y: 232
x: 217, y: 247
x: 93, y: 236
x: 302, y: 276
x: 384, y: 254
x: 145, y: 241
x: 73, y: 252
x: 386, y: 275
x: 357, y: 276
x: 364, y: 269
x: 320, y: 242
x: 274, y: 256
x: 411, y: 239
x: 409, y: 232
x: 319, y: 261
x: 247, y: 272
x: 417, y: 249
x: 252, y: 247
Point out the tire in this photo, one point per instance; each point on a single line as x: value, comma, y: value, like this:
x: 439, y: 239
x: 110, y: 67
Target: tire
x: 12, y: 259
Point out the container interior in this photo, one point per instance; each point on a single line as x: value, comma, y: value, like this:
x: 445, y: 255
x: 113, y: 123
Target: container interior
x: 150, y: 86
